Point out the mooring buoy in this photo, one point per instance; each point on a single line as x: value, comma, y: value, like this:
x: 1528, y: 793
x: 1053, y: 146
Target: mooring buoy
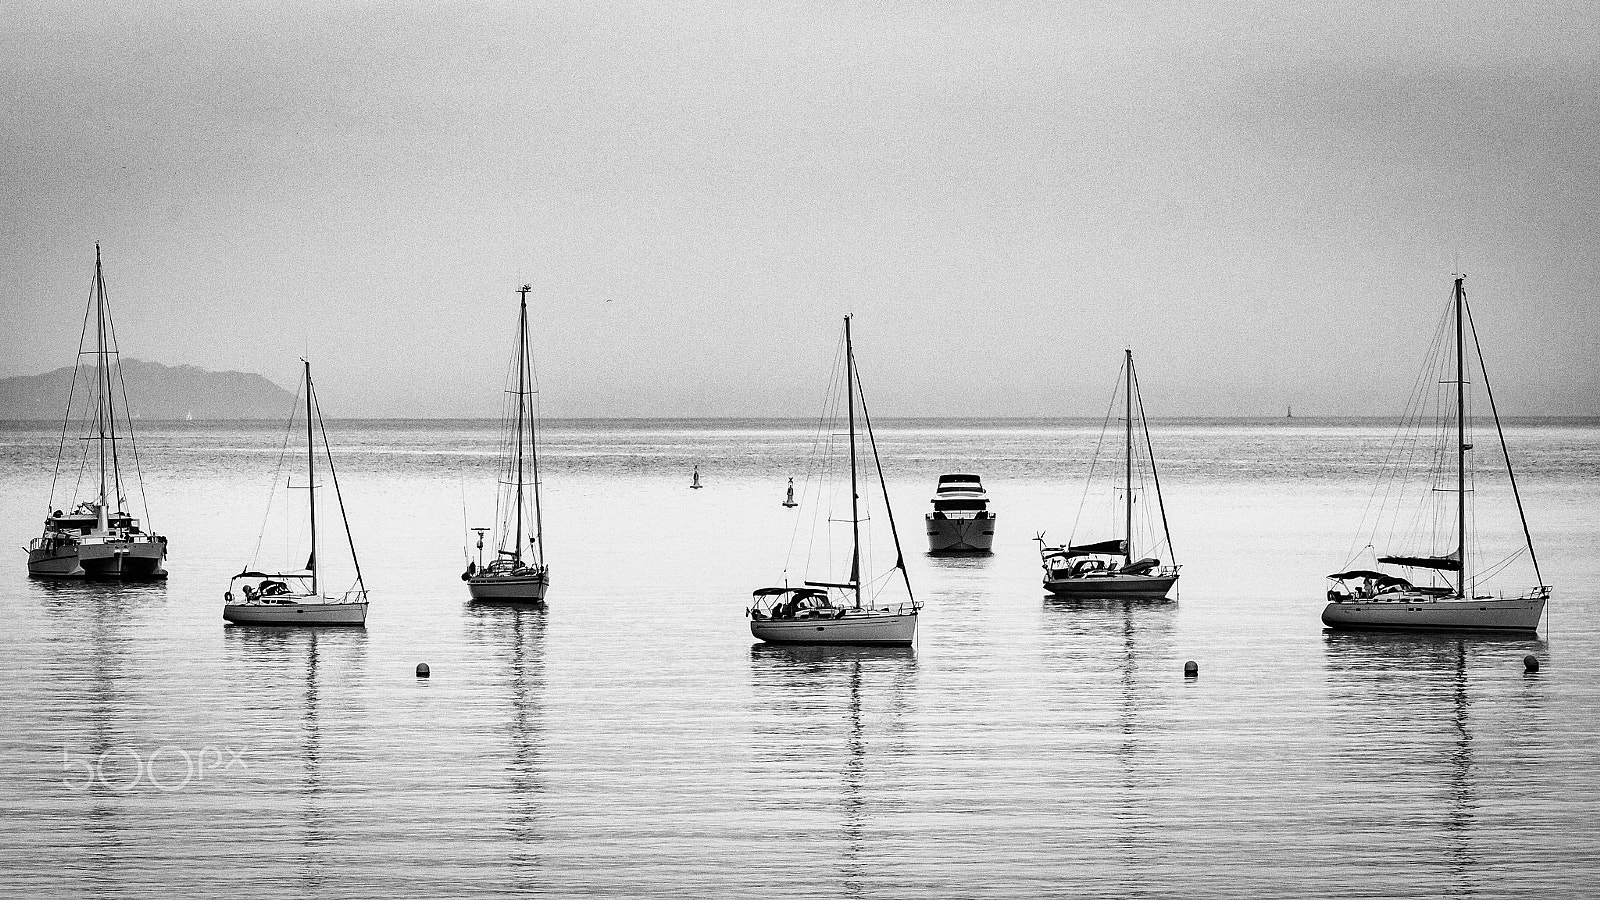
x: 422, y: 670
x: 1191, y: 669
x: 1530, y: 662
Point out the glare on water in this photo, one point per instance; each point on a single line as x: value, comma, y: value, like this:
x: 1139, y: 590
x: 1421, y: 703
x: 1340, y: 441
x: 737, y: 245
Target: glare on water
x: 631, y: 739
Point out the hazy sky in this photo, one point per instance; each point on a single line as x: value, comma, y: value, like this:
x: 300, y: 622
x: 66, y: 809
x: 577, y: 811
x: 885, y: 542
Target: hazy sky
x: 1266, y: 201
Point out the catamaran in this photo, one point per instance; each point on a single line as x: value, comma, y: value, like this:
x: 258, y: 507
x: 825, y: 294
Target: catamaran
x: 518, y: 573
x: 99, y: 538
x: 297, y: 597
x: 1112, y: 567
x: 860, y: 608
x: 1460, y: 594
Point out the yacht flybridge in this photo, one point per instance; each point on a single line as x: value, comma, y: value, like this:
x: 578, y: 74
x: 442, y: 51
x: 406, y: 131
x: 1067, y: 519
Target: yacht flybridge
x: 98, y: 537
x: 961, y: 521
x: 1461, y: 576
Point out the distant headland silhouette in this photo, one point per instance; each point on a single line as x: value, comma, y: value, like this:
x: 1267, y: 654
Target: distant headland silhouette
x: 155, y: 391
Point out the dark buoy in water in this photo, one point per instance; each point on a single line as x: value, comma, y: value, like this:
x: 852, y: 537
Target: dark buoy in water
x: 1191, y: 669
x: 422, y: 670
x: 1530, y: 663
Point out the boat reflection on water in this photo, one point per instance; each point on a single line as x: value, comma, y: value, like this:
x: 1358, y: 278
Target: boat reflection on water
x: 832, y: 719
x: 1116, y: 655
x: 304, y: 667
x: 1407, y: 701
x: 94, y: 658
x: 513, y: 636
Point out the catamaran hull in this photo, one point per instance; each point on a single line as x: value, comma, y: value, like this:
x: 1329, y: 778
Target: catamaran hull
x: 1129, y: 587
x: 1521, y: 614
x: 248, y: 613
x: 510, y: 588
x: 946, y: 535
x: 54, y: 562
x: 117, y: 560
x: 881, y: 629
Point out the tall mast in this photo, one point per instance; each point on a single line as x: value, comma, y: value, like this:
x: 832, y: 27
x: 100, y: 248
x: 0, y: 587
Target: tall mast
x: 855, y: 515
x: 1461, y: 441
x: 1127, y: 455
x: 311, y: 476
x: 533, y: 444
x: 102, y: 379
x: 522, y: 368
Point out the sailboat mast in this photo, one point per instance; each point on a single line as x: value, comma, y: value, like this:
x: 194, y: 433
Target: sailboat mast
x: 102, y: 379
x: 522, y: 368
x: 311, y: 477
x: 1461, y: 441
x: 1127, y: 456
x: 533, y: 444
x: 855, y: 515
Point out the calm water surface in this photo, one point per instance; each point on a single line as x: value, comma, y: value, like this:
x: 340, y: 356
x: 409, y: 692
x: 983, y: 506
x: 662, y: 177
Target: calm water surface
x: 630, y: 740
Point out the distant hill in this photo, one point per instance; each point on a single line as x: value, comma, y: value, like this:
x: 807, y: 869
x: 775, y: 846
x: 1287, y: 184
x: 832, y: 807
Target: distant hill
x: 155, y: 391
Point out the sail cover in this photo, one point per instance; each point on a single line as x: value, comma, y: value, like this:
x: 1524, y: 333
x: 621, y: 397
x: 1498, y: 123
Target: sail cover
x: 1113, y: 546
x: 1451, y: 563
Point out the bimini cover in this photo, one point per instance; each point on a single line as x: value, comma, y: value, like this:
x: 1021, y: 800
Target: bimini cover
x: 1451, y: 563
x: 1114, y: 546
x: 797, y: 591
x: 1380, y: 578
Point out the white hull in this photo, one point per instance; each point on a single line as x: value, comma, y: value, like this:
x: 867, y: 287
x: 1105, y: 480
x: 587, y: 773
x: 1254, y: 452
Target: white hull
x: 256, y: 612
x: 55, y: 562
x: 1430, y: 614
x: 509, y: 588
x: 1132, y: 587
x: 968, y: 535
x: 896, y: 628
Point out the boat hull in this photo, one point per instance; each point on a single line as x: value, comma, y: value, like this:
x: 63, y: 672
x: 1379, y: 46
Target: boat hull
x: 1130, y: 587
x: 123, y: 560
x: 959, y: 535
x: 865, y: 627
x: 54, y: 562
x: 509, y: 588
x: 292, y: 613
x: 1429, y: 614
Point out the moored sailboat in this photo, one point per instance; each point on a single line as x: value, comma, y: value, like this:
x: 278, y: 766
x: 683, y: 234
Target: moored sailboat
x: 1113, y: 567
x: 518, y: 573
x: 296, y: 597
x: 99, y: 538
x: 856, y: 609
x: 1459, y: 595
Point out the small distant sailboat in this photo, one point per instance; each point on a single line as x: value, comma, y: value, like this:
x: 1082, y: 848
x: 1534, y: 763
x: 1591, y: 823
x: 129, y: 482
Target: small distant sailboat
x: 296, y: 597
x: 695, y: 484
x: 846, y: 611
x: 99, y: 538
x: 1290, y: 413
x: 1112, y: 568
x: 789, y: 500
x: 518, y: 573
x: 1368, y: 598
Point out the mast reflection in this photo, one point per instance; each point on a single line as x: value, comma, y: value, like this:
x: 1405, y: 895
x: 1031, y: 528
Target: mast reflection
x: 514, y: 633
x: 830, y: 705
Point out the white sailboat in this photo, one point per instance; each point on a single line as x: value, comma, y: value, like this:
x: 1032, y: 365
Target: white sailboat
x: 1112, y: 568
x: 1461, y: 594
x: 297, y: 597
x: 518, y: 573
x: 99, y: 538
x: 858, y: 608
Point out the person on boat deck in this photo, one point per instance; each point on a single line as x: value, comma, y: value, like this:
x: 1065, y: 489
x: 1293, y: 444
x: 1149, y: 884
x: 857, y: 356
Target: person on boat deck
x: 249, y: 592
